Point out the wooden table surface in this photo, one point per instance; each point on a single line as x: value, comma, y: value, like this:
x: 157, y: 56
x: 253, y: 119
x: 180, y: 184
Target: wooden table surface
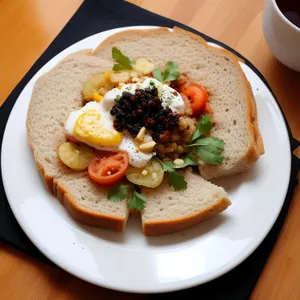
x: 28, y: 27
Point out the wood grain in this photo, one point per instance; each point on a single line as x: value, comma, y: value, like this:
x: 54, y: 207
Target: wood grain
x: 26, y: 29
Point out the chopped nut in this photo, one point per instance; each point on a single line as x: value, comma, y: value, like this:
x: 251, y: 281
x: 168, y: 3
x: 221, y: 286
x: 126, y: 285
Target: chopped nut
x: 147, y: 147
x: 135, y: 79
x: 178, y: 162
x: 140, y: 136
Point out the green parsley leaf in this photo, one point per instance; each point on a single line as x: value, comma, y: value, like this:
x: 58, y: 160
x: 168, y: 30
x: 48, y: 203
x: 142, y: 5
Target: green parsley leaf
x: 209, y: 154
x: 203, y: 127
x: 157, y: 74
x: 174, y: 179
x: 208, y: 141
x: 118, y: 193
x: 177, y: 181
x: 137, y: 201
x: 166, y: 167
x: 119, y: 67
x: 171, y: 72
x: 189, y: 160
x: 123, y: 61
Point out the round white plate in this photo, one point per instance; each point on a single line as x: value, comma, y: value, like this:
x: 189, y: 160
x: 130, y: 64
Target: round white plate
x: 130, y: 261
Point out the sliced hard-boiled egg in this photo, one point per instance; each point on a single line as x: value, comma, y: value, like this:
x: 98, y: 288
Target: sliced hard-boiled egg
x: 93, y: 125
x: 89, y: 127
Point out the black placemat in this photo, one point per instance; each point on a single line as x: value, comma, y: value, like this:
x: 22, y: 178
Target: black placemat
x: 98, y: 15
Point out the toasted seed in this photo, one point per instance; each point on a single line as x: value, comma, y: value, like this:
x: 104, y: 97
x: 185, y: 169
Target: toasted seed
x: 140, y: 136
x: 178, y: 162
x: 147, y: 147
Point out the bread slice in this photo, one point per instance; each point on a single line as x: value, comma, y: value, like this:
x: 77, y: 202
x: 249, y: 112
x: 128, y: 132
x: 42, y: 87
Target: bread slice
x: 54, y: 96
x: 169, y: 211
x: 219, y: 72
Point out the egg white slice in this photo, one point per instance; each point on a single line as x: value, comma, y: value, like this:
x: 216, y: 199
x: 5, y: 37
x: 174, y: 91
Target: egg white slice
x: 137, y: 158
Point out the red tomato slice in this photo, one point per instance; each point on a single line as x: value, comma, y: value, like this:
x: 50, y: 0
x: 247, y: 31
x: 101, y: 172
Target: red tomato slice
x: 72, y: 139
x: 197, y: 96
x: 108, y: 167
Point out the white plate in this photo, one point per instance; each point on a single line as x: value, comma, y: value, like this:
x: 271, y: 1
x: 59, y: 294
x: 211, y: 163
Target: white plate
x: 130, y: 261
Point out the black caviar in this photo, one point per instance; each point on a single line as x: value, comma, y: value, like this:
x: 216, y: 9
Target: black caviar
x: 143, y: 109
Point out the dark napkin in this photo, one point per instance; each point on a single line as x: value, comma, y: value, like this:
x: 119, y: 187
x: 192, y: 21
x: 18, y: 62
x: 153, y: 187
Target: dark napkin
x: 98, y: 15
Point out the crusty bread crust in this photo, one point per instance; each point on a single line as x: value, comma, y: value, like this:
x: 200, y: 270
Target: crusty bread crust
x: 88, y: 217
x: 156, y: 228
x: 123, y: 34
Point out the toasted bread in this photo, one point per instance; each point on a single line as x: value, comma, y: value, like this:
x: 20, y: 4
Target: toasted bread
x: 54, y: 96
x: 217, y: 70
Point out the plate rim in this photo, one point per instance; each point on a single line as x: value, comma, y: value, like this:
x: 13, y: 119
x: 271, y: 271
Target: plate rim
x: 167, y: 289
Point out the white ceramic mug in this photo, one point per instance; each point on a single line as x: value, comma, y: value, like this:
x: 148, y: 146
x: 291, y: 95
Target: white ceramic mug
x: 282, y: 36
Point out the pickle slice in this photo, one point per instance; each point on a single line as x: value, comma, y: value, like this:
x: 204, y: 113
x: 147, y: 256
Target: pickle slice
x: 75, y: 156
x: 149, y: 176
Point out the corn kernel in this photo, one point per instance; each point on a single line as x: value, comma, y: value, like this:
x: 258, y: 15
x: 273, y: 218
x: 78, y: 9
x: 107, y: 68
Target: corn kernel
x: 97, y: 97
x: 147, y: 147
x: 141, y: 134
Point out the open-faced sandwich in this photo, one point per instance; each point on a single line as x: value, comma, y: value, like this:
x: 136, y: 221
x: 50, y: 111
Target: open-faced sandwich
x: 140, y: 124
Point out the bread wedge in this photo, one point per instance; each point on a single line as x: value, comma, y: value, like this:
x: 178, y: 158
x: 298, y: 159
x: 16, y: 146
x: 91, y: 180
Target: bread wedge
x: 219, y: 72
x: 54, y: 96
x: 169, y: 211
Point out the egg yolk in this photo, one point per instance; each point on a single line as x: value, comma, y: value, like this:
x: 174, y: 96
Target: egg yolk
x: 89, y: 129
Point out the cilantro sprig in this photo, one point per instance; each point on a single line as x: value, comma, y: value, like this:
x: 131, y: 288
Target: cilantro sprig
x: 203, y: 127
x: 123, y: 61
x: 118, y: 193
x: 137, y: 201
x: 208, y: 149
x: 175, y: 179
x: 171, y: 72
x: 121, y: 192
